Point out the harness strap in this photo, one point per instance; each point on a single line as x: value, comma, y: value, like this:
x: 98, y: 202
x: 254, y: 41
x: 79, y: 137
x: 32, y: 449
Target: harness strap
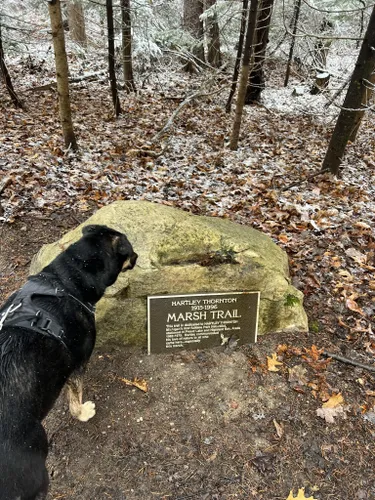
x: 25, y: 314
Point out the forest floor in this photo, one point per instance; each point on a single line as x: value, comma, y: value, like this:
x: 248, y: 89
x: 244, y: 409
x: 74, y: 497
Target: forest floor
x: 214, y: 424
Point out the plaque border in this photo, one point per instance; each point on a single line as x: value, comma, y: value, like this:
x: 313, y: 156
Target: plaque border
x: 200, y: 294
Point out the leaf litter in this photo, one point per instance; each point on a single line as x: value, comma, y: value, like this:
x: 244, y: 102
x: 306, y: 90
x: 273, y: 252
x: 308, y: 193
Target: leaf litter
x: 325, y: 225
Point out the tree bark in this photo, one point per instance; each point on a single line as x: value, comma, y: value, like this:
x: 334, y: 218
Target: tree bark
x: 111, y: 58
x: 62, y: 73
x: 369, y: 92
x: 256, y: 83
x: 193, y: 9
x: 76, y: 19
x: 213, y: 35
x: 246, y: 63
x: 297, y: 10
x: 362, y: 22
x: 7, y: 79
x: 320, y: 54
x: 245, y: 4
x: 355, y: 101
x: 127, y: 63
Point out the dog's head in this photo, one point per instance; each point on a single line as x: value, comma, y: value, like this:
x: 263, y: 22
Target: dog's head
x: 119, y: 243
x: 112, y: 246
x: 94, y: 262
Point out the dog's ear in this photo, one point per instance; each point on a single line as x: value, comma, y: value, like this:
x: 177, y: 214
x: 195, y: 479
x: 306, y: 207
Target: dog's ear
x: 122, y: 247
x: 121, y: 244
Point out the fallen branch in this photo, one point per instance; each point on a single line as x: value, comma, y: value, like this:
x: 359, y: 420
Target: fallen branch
x: 92, y: 77
x: 348, y: 361
x: 306, y: 179
x: 189, y: 58
x: 169, y: 123
x: 143, y: 153
x: 186, y: 101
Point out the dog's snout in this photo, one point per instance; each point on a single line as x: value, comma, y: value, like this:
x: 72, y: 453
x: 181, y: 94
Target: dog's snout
x: 130, y: 262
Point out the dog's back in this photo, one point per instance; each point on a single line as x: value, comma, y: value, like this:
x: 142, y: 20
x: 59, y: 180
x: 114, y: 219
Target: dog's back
x: 47, y: 333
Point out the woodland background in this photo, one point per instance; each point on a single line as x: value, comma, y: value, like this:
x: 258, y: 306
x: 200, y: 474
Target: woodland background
x: 301, y: 169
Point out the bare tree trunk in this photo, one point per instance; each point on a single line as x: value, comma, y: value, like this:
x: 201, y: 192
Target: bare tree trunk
x: 213, y: 51
x: 362, y: 22
x: 76, y: 21
x: 193, y: 9
x: 320, y: 54
x: 127, y: 47
x: 246, y: 64
x: 297, y: 10
x: 237, y: 64
x: 7, y: 80
x: 256, y: 81
x: 111, y: 58
x: 369, y: 92
x: 355, y: 101
x: 62, y: 73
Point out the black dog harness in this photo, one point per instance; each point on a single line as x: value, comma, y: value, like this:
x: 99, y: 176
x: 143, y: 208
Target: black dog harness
x: 25, y: 314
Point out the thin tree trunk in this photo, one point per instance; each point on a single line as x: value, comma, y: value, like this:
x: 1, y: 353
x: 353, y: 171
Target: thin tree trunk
x: 297, y: 10
x: 62, y: 73
x: 245, y: 4
x: 7, y: 79
x: 320, y: 54
x: 256, y: 79
x: 362, y: 22
x: 213, y: 49
x: 246, y: 63
x: 127, y: 47
x: 76, y: 20
x: 193, y: 9
x: 369, y: 92
x: 111, y: 58
x: 354, y: 105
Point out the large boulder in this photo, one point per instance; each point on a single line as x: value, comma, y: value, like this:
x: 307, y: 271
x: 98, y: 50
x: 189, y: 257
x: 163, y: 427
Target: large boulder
x: 182, y: 253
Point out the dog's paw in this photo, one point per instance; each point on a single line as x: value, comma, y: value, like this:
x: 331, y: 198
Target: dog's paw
x: 87, y: 411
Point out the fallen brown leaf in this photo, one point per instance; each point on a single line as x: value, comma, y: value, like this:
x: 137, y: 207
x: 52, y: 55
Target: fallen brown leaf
x: 139, y: 383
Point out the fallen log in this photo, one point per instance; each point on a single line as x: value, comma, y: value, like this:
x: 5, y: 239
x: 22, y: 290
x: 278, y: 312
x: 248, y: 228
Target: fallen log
x: 92, y: 77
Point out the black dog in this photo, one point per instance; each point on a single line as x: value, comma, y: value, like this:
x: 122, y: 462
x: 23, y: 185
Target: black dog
x: 47, y: 334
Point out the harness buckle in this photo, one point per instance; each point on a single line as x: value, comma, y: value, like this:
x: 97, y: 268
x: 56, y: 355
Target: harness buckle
x: 45, y: 322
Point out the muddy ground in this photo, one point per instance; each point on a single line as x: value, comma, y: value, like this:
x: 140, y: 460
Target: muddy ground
x: 214, y: 424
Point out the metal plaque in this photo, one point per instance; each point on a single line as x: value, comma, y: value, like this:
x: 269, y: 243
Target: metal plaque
x: 198, y: 321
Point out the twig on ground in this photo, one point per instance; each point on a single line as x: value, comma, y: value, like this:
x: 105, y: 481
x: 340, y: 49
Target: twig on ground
x: 306, y: 179
x: 92, y: 77
x: 348, y: 361
x: 186, y: 101
x: 4, y: 183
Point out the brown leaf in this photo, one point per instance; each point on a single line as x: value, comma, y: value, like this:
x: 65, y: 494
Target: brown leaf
x: 332, y: 408
x: 356, y: 255
x: 272, y: 363
x: 314, y: 353
x: 279, y: 429
x: 139, y: 383
x: 353, y: 306
x: 334, y: 401
x: 297, y: 375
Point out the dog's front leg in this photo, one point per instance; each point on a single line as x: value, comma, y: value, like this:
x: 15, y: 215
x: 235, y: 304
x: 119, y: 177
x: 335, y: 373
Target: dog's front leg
x: 81, y: 411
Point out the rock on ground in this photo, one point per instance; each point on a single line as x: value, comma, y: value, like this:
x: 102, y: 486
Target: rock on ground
x: 180, y: 253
